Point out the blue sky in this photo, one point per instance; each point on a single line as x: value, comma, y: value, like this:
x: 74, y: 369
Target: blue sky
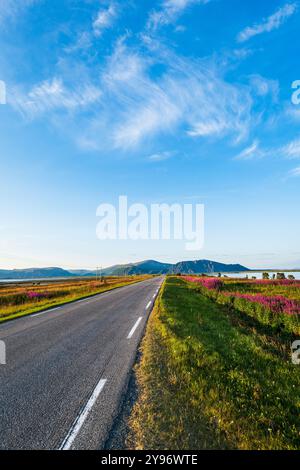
x: 163, y: 101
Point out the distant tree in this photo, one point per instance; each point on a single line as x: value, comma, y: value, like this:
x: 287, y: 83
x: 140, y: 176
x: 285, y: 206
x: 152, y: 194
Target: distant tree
x: 265, y: 276
x: 280, y: 276
x: 253, y: 277
x: 291, y: 277
x: 219, y: 275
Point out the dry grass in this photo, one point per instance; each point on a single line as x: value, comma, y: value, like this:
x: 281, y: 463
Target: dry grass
x: 15, y: 299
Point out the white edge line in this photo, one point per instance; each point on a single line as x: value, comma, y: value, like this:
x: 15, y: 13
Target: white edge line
x: 148, y: 305
x: 44, y: 311
x: 134, y: 327
x: 75, y: 428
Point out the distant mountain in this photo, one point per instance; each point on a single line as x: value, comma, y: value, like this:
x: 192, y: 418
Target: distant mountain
x: 82, y: 272
x: 143, y: 267
x: 183, y: 267
x: 33, y: 273
x: 206, y: 266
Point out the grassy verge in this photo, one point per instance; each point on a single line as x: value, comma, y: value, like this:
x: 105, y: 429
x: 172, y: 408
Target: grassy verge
x: 15, y: 311
x: 281, y: 324
x: 209, y: 379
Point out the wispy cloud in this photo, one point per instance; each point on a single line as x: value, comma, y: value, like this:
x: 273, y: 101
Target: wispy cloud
x: 52, y: 95
x: 189, y: 95
x: 13, y: 8
x: 263, y: 86
x: 252, y: 151
x: 83, y: 41
x: 295, y: 172
x: 105, y: 19
x: 291, y: 150
x: 268, y: 24
x: 125, y: 103
x: 169, y: 11
x: 160, y: 157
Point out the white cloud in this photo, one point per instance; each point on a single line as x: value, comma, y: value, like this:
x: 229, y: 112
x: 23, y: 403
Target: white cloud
x: 170, y: 10
x: 123, y: 104
x: 293, y: 112
x: 180, y: 29
x: 295, y: 172
x: 52, y: 95
x: 162, y: 156
x: 13, y: 8
x: 219, y: 108
x: 188, y: 95
x: 263, y: 86
x: 268, y: 24
x: 253, y: 151
x: 82, y: 42
x: 105, y: 19
x: 291, y: 150
x: 129, y: 104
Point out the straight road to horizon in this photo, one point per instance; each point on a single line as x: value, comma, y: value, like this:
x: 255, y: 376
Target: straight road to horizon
x: 67, y: 369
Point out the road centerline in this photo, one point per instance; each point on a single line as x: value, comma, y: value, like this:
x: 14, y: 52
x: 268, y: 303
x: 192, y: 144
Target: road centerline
x: 56, y: 345
x: 77, y: 425
x: 134, y: 327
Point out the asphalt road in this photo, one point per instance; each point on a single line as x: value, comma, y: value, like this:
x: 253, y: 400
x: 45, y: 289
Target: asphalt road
x: 67, y: 369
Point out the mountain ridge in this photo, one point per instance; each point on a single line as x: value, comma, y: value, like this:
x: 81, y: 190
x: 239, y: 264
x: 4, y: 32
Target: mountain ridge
x: 141, y: 267
x: 36, y: 273
x: 182, y: 267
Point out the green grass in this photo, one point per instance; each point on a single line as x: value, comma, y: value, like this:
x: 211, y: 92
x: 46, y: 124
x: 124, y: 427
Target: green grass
x: 16, y: 311
x: 288, y: 291
x: 211, y: 378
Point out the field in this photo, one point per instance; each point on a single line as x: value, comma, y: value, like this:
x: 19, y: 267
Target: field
x: 274, y: 303
x: 216, y: 369
x: 25, y: 298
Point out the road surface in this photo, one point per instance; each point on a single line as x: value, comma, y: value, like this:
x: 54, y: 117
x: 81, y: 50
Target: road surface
x: 67, y: 369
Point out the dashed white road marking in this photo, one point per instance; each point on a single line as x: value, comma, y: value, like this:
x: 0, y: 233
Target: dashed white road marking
x: 75, y: 428
x: 134, y: 327
x: 148, y: 305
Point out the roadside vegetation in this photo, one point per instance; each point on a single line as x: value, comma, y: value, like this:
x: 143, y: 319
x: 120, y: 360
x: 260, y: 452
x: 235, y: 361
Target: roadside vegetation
x: 214, y: 374
x: 276, y: 303
x: 23, y: 299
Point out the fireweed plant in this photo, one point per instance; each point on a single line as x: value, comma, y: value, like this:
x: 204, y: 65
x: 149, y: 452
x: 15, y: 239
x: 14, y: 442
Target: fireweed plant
x: 274, y: 303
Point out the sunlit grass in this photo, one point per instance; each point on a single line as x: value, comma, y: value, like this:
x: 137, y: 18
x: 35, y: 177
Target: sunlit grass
x: 210, y: 377
x: 17, y: 300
